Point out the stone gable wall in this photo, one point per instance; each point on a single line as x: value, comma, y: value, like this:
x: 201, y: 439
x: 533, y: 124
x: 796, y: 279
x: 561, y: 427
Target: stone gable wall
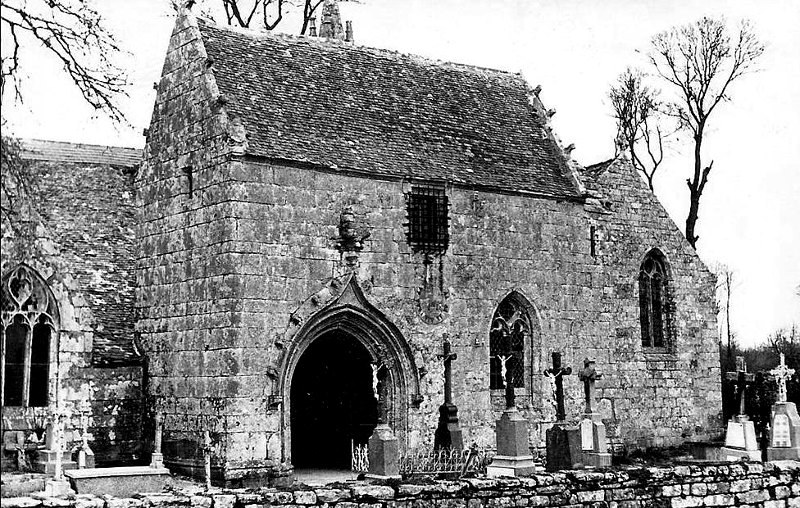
x: 185, y: 302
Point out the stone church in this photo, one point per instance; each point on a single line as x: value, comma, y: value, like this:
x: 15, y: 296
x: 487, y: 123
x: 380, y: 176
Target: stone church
x: 313, y: 220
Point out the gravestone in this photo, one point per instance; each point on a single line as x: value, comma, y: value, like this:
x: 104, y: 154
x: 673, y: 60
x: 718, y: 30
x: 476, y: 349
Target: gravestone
x: 740, y: 436
x: 593, y: 431
x: 157, y: 458
x: 784, y: 439
x: 513, y: 452
x: 85, y: 454
x: 54, y: 459
x: 562, y: 441
x: 448, y: 432
x: 384, y: 451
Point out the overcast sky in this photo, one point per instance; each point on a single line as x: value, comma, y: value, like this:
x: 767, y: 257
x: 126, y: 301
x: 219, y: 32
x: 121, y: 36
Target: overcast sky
x: 574, y: 49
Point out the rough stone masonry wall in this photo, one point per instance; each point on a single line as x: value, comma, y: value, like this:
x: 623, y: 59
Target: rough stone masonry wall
x: 756, y: 485
x: 75, y: 242
x: 283, y: 251
x: 185, y: 301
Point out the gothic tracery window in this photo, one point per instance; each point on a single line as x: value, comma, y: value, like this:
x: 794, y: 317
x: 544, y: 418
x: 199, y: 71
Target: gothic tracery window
x: 511, y: 326
x: 653, y: 301
x: 29, y: 325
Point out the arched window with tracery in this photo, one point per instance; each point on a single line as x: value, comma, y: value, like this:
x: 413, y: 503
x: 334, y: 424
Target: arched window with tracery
x: 29, y: 328
x: 510, y: 332
x: 654, y: 301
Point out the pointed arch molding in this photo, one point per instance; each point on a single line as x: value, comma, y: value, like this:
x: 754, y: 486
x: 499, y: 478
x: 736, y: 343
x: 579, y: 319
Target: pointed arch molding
x: 25, y: 293
x: 341, y: 306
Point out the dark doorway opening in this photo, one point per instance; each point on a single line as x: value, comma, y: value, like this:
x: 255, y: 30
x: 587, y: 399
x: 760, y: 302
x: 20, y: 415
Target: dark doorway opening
x: 332, y: 402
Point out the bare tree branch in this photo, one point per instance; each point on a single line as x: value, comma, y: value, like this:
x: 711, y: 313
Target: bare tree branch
x: 701, y: 61
x: 73, y: 32
x: 638, y: 112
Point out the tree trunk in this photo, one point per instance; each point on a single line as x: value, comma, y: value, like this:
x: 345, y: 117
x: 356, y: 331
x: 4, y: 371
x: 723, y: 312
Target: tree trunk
x: 695, y: 190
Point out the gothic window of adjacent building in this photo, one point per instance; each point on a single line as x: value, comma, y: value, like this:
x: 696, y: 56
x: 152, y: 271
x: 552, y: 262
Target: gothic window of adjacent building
x: 654, y: 301
x: 510, y: 331
x: 29, y: 324
x: 427, y: 220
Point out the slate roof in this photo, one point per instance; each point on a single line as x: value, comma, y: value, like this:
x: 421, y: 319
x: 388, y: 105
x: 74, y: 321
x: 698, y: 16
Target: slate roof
x: 590, y: 174
x: 86, y: 196
x: 348, y: 107
x: 39, y: 149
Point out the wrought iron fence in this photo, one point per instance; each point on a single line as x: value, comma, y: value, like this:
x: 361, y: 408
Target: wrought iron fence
x: 359, y: 457
x: 449, y: 462
x: 427, y: 461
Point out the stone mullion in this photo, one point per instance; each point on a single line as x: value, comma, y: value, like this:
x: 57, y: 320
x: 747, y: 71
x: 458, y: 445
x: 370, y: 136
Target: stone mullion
x: 3, y: 369
x: 26, y: 368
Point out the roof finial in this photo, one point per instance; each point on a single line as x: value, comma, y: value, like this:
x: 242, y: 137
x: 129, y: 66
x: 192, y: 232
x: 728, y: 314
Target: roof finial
x: 331, y: 26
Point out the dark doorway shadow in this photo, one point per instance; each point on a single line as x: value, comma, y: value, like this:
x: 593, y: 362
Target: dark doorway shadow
x: 332, y: 402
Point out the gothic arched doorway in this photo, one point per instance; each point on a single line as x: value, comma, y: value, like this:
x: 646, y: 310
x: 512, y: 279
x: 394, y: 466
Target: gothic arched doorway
x: 332, y: 402
x: 338, y: 327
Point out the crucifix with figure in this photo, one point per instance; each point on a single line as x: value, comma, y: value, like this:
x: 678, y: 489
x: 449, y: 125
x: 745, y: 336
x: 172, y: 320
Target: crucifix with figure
x: 556, y: 373
x: 740, y: 435
x: 448, y: 433
x: 742, y: 380
x: 384, y: 455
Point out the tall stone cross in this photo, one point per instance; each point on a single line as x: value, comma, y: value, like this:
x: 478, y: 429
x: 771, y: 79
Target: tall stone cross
x: 557, y: 372
x: 781, y: 374
x: 588, y: 376
x: 742, y: 378
x: 447, y: 358
x: 448, y: 432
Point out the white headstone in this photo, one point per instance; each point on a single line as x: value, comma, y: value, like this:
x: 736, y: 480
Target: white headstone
x: 780, y: 432
x: 587, y: 435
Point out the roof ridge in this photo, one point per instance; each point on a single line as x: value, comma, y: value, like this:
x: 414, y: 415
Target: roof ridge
x: 336, y: 43
x: 23, y: 141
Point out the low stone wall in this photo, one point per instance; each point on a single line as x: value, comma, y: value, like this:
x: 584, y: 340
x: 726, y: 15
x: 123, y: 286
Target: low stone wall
x: 770, y: 485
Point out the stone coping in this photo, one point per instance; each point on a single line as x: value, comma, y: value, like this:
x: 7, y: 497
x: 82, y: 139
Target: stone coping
x: 102, y: 472
x: 723, y: 484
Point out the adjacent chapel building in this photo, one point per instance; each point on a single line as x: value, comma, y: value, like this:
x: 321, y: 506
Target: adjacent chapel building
x: 315, y: 218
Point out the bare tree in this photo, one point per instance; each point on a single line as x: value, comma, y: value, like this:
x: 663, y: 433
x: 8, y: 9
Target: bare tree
x: 270, y: 13
x: 725, y: 282
x: 637, y: 110
x: 700, y: 61
x: 75, y: 34
x: 787, y: 342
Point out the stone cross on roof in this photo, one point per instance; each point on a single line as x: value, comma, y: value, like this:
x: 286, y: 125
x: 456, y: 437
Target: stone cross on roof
x: 782, y: 373
x: 556, y: 373
x: 742, y: 378
x: 588, y: 376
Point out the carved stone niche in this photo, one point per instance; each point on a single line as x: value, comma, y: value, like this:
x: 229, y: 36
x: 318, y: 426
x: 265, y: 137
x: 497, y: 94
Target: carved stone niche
x: 353, y: 230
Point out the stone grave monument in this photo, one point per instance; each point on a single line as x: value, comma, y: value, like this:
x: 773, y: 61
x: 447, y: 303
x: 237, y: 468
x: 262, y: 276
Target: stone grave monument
x: 740, y: 436
x: 127, y: 480
x: 594, y: 446
x: 448, y: 432
x: 384, y: 451
x: 562, y: 441
x: 54, y: 459
x: 784, y: 437
x: 85, y: 454
x: 513, y: 452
